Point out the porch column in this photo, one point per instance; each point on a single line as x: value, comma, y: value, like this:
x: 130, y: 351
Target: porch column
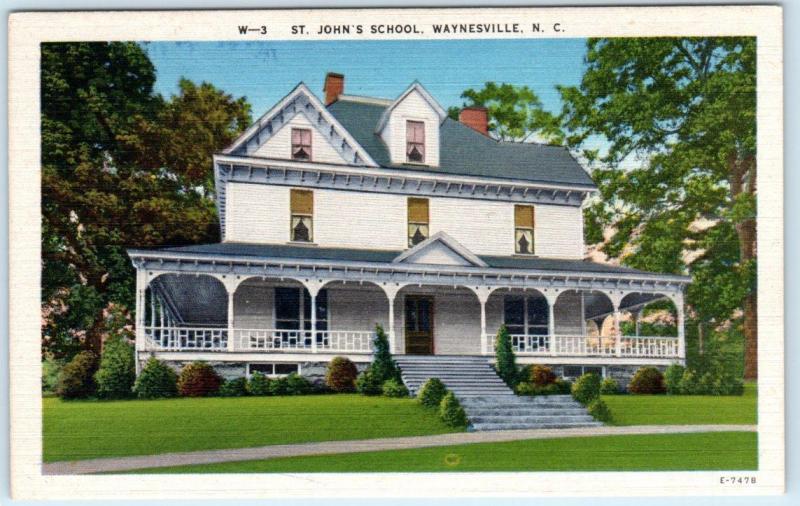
x: 139, y: 341
x: 551, y: 296
x: 637, y: 316
x: 313, y: 286
x: 617, y: 330
x: 483, y: 293
x: 391, y: 293
x: 678, y: 301
x: 230, y: 284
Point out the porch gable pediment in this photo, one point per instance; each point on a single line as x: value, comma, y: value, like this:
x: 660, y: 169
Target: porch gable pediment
x: 440, y: 249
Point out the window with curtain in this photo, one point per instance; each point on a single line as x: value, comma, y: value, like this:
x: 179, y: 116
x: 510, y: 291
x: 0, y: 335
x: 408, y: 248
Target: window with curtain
x: 418, y: 229
x: 302, y: 210
x: 523, y: 230
x: 415, y: 141
x: 301, y: 144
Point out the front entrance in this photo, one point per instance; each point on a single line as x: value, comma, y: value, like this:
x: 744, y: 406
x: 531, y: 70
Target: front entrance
x: 419, y: 325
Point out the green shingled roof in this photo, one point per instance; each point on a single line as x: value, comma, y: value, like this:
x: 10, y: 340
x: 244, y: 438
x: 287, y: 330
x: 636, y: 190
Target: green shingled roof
x: 463, y: 151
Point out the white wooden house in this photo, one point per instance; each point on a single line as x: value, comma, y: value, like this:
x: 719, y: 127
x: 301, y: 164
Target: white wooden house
x: 356, y: 211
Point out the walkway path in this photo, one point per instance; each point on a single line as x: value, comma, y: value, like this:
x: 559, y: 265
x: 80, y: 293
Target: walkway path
x: 118, y: 464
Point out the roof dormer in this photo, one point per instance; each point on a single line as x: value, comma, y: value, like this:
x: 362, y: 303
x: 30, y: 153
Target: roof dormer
x: 410, y: 127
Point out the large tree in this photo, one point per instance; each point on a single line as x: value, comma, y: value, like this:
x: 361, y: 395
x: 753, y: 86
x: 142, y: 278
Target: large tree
x: 678, y: 178
x: 121, y: 167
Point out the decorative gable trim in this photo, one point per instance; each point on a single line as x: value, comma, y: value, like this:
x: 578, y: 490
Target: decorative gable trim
x: 415, y: 86
x: 445, y: 239
x: 301, y: 100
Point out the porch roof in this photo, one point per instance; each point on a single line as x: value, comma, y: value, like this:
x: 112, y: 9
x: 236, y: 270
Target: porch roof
x: 370, y: 256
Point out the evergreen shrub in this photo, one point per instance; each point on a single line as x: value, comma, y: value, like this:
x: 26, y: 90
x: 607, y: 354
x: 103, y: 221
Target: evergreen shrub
x: 647, y: 380
x: 236, y: 387
x: 432, y: 392
x: 198, y: 379
x: 258, y: 384
x: 451, y: 412
x: 341, y: 375
x: 394, y: 388
x: 586, y: 388
x: 116, y: 375
x: 76, y: 379
x: 156, y: 380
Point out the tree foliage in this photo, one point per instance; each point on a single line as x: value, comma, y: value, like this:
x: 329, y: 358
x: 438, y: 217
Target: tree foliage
x: 678, y: 180
x: 515, y: 112
x: 121, y: 167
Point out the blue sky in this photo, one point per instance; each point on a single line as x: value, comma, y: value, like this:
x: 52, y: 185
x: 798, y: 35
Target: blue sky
x: 266, y: 71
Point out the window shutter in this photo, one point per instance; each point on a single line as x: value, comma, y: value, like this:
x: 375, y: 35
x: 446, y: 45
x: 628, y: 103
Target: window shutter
x: 302, y: 202
x: 523, y: 216
x: 417, y: 210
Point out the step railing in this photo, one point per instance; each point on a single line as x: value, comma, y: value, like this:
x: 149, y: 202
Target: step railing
x: 590, y: 346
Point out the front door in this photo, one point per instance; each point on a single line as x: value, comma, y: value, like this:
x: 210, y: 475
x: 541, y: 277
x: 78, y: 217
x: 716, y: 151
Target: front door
x: 419, y: 325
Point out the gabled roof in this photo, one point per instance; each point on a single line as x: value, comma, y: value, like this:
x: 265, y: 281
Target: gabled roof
x: 415, y: 86
x: 463, y: 151
x: 301, y: 101
x: 418, y: 253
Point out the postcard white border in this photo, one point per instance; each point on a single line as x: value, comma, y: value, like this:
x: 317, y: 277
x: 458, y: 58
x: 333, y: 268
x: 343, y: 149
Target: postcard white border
x: 27, y: 30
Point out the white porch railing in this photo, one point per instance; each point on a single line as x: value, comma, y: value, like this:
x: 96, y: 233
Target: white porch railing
x: 590, y: 346
x: 272, y: 340
x: 187, y: 338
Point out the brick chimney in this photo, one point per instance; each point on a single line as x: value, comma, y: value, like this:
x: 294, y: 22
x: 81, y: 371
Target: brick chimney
x: 334, y: 86
x: 477, y: 118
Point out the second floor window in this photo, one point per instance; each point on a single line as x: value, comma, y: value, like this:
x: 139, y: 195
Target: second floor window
x: 523, y: 230
x: 301, y: 144
x: 417, y: 221
x: 302, y: 209
x: 415, y: 141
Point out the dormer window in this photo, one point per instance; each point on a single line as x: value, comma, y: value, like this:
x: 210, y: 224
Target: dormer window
x: 415, y: 141
x: 523, y: 230
x: 301, y: 144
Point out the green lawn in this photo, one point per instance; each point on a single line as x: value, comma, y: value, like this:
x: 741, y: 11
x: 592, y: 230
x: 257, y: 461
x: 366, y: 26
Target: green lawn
x: 89, y: 429
x: 684, y: 409
x: 662, y: 452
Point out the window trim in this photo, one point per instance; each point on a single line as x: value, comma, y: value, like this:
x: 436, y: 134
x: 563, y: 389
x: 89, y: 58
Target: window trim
x: 531, y: 229
x: 309, y: 147
x: 422, y: 144
x: 293, y: 214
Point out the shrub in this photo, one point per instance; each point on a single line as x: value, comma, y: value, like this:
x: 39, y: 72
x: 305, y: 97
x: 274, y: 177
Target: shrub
x: 76, y: 378
x: 525, y: 374
x: 529, y: 388
x: 368, y: 384
x: 432, y: 393
x: 505, y: 361
x: 117, y: 372
x: 609, y: 386
x: 542, y: 375
x: 586, y: 388
x: 51, y: 368
x: 599, y: 410
x: 647, y: 380
x: 451, y: 412
x: 319, y: 387
x: 564, y: 386
x: 297, y: 385
x: 672, y: 378
x: 383, y: 366
x: 198, y: 379
x: 341, y: 375
x: 394, y: 388
x: 689, y: 384
x: 258, y: 384
x: 236, y: 387
x: 156, y: 380
x: 279, y: 386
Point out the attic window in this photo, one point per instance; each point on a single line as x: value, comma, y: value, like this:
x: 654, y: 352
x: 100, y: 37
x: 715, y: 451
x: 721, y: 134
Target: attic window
x: 301, y: 144
x: 523, y: 230
x: 415, y: 141
x: 417, y: 221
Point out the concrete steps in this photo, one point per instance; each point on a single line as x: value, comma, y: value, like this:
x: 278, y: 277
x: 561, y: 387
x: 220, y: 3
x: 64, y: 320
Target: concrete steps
x: 489, y: 403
